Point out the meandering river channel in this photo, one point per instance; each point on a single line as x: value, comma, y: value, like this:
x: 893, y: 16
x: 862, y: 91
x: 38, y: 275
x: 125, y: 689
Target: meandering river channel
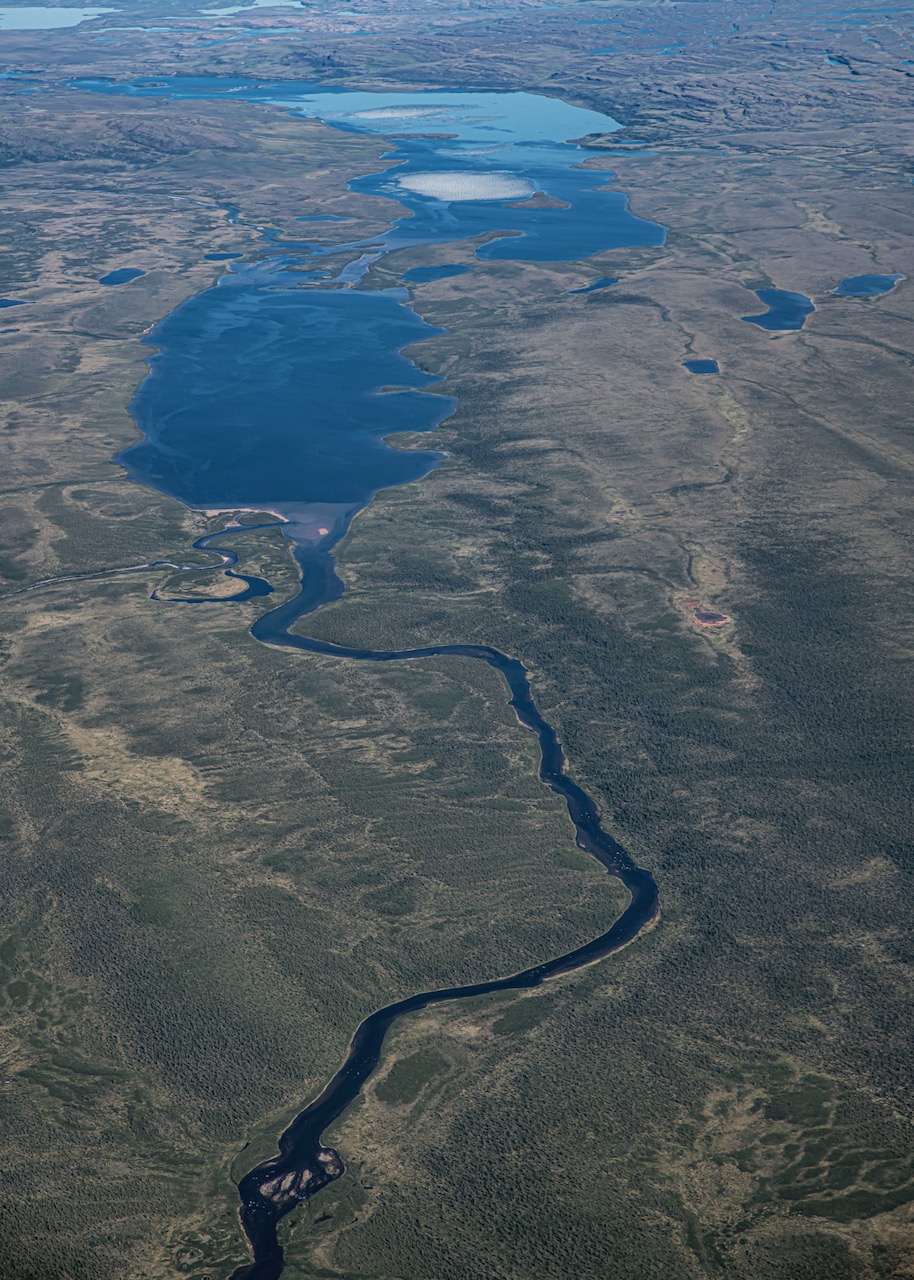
x: 265, y: 393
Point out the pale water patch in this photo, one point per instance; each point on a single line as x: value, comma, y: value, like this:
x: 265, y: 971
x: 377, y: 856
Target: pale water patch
x: 453, y: 185
x: 242, y: 9
x: 409, y: 112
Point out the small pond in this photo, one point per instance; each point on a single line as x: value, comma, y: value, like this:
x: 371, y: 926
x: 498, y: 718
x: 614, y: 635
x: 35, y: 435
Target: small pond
x: 123, y: 275
x: 424, y: 275
x: 866, y: 286
x: 603, y: 283
x: 786, y: 310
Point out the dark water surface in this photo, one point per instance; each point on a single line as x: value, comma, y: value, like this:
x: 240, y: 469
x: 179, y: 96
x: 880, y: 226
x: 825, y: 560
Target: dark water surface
x: 266, y: 395
x: 123, y: 275
x: 866, y: 286
x: 267, y: 392
x: 786, y: 310
x: 304, y: 1165
x: 424, y: 275
x: 701, y: 366
x: 603, y: 283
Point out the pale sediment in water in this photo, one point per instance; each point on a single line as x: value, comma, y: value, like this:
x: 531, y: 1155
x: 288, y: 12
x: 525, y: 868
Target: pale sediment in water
x: 412, y: 111
x: 451, y: 185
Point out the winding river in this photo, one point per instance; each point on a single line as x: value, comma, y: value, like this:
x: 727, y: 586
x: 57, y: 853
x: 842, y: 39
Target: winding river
x: 266, y: 393
x: 303, y: 1164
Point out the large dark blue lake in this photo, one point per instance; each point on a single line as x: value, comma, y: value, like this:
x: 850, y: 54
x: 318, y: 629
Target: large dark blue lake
x: 267, y: 395
x: 268, y: 390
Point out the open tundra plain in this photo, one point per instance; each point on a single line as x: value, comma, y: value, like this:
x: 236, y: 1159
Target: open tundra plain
x: 219, y: 856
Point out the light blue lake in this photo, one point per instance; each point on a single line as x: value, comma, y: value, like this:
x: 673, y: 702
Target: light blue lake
x: 239, y: 10
x: 504, y: 147
x: 45, y: 18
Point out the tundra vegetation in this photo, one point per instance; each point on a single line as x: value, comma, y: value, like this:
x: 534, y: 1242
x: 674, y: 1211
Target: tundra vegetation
x: 217, y: 858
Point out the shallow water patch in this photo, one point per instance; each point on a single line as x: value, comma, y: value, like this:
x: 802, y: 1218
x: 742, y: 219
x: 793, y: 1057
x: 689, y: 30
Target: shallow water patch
x: 450, y: 184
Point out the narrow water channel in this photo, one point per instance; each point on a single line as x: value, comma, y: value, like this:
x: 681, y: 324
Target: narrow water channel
x: 304, y: 1165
